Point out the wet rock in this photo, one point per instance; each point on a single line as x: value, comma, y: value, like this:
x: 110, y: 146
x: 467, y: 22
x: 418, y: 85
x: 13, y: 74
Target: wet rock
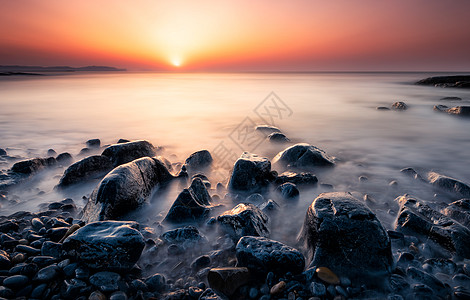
x: 416, y: 218
x: 243, y: 220
x: 88, y: 168
x: 269, y: 206
x: 255, y: 199
x: 459, y: 211
x: 28, y: 250
x: 107, y: 245
x: 43, y: 261
x: 201, y: 262
x: 440, y: 265
x: 278, y: 288
x: 382, y: 108
x: 126, y: 152
x: 6, y: 292
x: 302, y: 156
x: 451, y: 98
x: 64, y: 159
x: 459, y: 111
x: 445, y: 81
x: 4, y: 260
x: 327, y: 275
x: 361, y: 249
x: 125, y: 189
x: 440, y: 108
x: 267, y: 129
x: 297, y: 178
x: 93, y: 143
x: 228, y: 280
x: 31, y: 166
x: 209, y: 294
x: 3, y: 152
x: 250, y: 174
x: 198, y: 160
x: 16, y: 282
x: 288, y: 191
x: 278, y: 137
x: 47, y: 274
x: 449, y: 184
x: 105, y: 281
x: 156, y: 282
x: 51, y: 249
x: 461, y: 292
x: 411, y: 173
x: 429, y: 280
x: 318, y: 289
x: 192, y: 204
x: 399, y: 105
x: 187, y: 236
x: 51, y: 152
x: 262, y: 255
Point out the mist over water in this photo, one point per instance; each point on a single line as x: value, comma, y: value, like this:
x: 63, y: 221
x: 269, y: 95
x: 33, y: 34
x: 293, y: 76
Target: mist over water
x: 184, y: 113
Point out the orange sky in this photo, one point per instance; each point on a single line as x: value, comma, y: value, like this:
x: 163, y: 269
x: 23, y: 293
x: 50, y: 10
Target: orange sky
x: 251, y: 35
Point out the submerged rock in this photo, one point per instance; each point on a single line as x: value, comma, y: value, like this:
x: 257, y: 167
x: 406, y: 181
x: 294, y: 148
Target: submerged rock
x: 106, y: 245
x: 449, y: 184
x: 446, y: 81
x: 297, y: 178
x: 459, y: 111
x: 263, y: 255
x: 278, y: 137
x: 243, y: 220
x: 250, y: 174
x: 451, y: 98
x: 64, y: 159
x: 288, y: 191
x: 125, y: 188
x: 228, y: 280
x: 198, y: 160
x: 441, y: 108
x: 93, y: 143
x: 417, y: 218
x: 3, y: 152
x: 34, y: 165
x: 267, y: 129
x: 399, y: 105
x: 88, y: 168
x: 127, y: 152
x: 341, y: 233
x: 192, y: 204
x: 186, y: 236
x: 302, y: 156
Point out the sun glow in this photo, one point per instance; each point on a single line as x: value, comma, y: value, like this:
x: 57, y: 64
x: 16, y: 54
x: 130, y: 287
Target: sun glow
x: 176, y: 62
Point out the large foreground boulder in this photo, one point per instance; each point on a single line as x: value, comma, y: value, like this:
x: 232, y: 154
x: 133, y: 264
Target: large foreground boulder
x: 88, y: 168
x: 449, y: 184
x: 192, y: 204
x: 250, y: 174
x: 419, y: 219
x: 302, y: 156
x: 263, y: 255
x: 243, y: 220
x: 342, y: 234
x: 127, y: 152
x: 107, y: 245
x: 124, y: 189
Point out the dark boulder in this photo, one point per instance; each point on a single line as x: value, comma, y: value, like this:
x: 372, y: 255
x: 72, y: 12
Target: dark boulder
x: 449, y: 184
x: 250, y: 174
x: 399, y: 105
x: 192, y: 204
x: 297, y: 178
x: 342, y: 234
x: 278, y: 137
x: 124, y: 189
x: 262, y: 255
x: 445, y: 81
x: 267, y: 129
x: 64, y: 159
x: 243, y: 220
x: 127, y: 152
x: 88, y: 168
x: 429, y: 280
x: 34, y: 165
x: 459, y: 211
x: 106, y: 245
x: 187, y: 237
x: 198, y: 160
x: 227, y: 280
x: 419, y: 219
x: 93, y: 143
x: 302, y: 156
x: 288, y: 191
x: 3, y: 152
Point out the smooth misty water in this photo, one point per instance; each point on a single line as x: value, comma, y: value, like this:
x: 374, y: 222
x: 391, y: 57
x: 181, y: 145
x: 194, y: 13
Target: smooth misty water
x: 187, y: 112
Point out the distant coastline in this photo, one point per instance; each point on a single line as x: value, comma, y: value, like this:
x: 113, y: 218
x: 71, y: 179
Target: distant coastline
x: 16, y: 70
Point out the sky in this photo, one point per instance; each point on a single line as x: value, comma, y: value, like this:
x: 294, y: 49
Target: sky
x: 238, y: 35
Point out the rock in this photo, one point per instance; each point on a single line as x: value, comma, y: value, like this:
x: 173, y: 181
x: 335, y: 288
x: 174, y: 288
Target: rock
x: 297, y: 178
x: 51, y: 152
x: 156, y: 282
x: 429, y: 280
x: 263, y: 255
x: 382, y: 108
x: 105, y: 281
x: 278, y: 288
x: 3, y: 152
x: 459, y: 111
x: 440, y: 108
x: 107, y: 245
x: 201, y: 262
x: 411, y: 173
x: 6, y: 292
x: 288, y: 191
x: 360, y: 249
x: 302, y: 156
x: 399, y: 105
x: 250, y: 174
x: 88, y: 168
x: 209, y: 294
x: 243, y: 220
x: 445, y: 81
x: 451, y: 98
x: 125, y: 188
x: 47, y: 274
x: 416, y: 218
x: 256, y: 199
x: 228, y: 280
x: 187, y: 236
x: 267, y: 129
x: 199, y: 160
x: 278, y: 137
x: 5, y: 261
x: 269, y: 206
x: 127, y: 152
x: 118, y: 295
x: 459, y: 211
x: 449, y: 184
x: 16, y: 282
x: 51, y: 249
x: 43, y: 261
x: 31, y: 166
x: 93, y: 143
x: 327, y: 275
x: 318, y: 289
x: 441, y: 265
x: 64, y: 159
x: 192, y: 204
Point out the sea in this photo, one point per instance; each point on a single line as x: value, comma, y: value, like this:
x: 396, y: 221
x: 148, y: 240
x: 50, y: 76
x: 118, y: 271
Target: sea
x: 185, y: 112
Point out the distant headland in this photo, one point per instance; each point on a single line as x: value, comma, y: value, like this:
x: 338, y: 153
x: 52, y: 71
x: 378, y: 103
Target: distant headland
x: 37, y: 70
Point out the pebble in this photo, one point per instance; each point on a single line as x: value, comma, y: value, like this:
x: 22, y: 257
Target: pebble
x: 18, y: 258
x: 119, y: 295
x: 278, y: 288
x: 16, y: 282
x: 327, y: 275
x: 253, y: 293
x: 97, y: 295
x: 28, y: 250
x: 38, y: 291
x: 340, y: 290
x: 291, y: 296
x: 105, y: 281
x: 47, y: 274
x: 195, y: 292
x: 317, y: 289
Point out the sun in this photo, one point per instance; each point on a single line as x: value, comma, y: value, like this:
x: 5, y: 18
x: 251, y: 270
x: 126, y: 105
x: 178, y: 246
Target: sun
x: 176, y: 62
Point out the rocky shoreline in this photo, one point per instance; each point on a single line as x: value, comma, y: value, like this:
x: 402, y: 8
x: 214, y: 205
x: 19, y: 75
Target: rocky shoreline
x: 206, y: 250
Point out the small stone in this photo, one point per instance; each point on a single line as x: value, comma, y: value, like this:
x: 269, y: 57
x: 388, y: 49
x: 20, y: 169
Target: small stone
x: 399, y: 105
x: 340, y: 290
x: 227, y: 280
x: 253, y: 293
x: 118, y: 295
x: 317, y: 289
x: 156, y: 282
x: 195, y: 292
x: 47, y: 274
x: 327, y: 275
x: 97, y: 295
x: 278, y: 288
x: 105, y: 281
x: 18, y: 258
x: 201, y: 262
x: 16, y: 282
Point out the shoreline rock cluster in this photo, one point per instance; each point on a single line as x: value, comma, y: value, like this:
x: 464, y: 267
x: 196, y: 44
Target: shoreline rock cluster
x: 198, y: 252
